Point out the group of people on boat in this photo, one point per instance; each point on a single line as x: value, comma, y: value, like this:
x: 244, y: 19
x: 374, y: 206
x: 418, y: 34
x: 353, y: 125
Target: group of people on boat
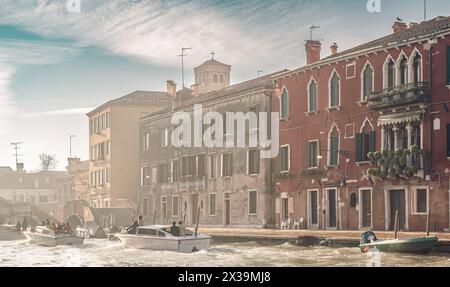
x: 176, y: 230
x: 58, y: 228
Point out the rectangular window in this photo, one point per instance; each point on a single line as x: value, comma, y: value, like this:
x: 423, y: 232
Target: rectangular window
x: 227, y: 167
x: 175, y: 206
x: 421, y: 200
x: 313, y: 154
x: 212, y: 166
x: 201, y: 165
x: 252, y: 202
x: 284, y: 159
x: 163, y: 171
x: 165, y: 138
x: 145, y: 175
x: 175, y: 171
x: 212, y: 204
x: 448, y: 65
x: 154, y: 175
x: 350, y: 71
x: 146, y: 141
x: 365, y: 143
x: 163, y: 206
x: 107, y: 121
x: 253, y: 162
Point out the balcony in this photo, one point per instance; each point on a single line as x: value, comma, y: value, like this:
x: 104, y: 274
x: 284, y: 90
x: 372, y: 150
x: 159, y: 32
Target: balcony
x: 398, y: 96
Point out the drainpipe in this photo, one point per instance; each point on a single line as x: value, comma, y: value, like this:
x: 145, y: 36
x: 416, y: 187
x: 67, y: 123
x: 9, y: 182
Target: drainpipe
x: 430, y: 111
x: 271, y: 195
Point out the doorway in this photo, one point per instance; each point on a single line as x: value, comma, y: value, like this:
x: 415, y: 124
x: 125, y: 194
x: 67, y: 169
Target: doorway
x: 284, y: 209
x: 227, y: 203
x: 332, y: 208
x: 366, y: 208
x: 194, y: 208
x: 313, y: 208
x: 397, y: 201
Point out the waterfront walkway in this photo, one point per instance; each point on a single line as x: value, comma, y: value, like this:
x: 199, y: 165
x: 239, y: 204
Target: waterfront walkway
x: 315, y: 237
x: 294, y: 234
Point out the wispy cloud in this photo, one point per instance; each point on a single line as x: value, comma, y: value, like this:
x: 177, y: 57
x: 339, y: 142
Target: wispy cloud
x: 240, y: 32
x: 7, y: 110
x: 67, y: 112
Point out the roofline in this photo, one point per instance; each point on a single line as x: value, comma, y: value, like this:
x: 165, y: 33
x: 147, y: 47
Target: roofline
x: 356, y: 54
x: 234, y: 95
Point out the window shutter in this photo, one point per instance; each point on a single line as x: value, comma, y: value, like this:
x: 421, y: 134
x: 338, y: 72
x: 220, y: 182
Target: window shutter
x: 372, y: 142
x: 448, y: 65
x: 277, y: 205
x: 448, y: 140
x: 308, y: 154
x: 359, y: 141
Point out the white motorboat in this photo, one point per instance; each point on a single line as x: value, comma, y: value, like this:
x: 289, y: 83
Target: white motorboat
x: 44, y: 236
x: 158, y: 237
x: 9, y: 232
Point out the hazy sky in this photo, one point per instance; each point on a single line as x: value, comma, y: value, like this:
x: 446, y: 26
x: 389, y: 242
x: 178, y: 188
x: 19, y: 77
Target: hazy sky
x: 56, y: 65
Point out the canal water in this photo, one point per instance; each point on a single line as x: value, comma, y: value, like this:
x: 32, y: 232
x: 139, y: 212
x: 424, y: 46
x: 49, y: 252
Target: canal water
x: 97, y: 252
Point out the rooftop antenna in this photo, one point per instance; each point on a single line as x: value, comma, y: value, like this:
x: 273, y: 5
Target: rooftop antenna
x: 212, y: 54
x: 182, y: 63
x: 311, y: 30
x: 16, y: 148
x: 424, y: 10
x: 70, y: 144
x: 260, y: 72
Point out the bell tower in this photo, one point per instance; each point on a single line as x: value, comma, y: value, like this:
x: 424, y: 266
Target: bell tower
x: 212, y: 75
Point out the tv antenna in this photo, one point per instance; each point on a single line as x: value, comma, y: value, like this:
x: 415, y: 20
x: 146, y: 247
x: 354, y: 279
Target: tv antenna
x: 311, y: 31
x: 260, y: 72
x: 182, y: 63
x: 16, y: 148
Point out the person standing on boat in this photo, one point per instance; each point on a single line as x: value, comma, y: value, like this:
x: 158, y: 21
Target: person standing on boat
x: 174, y: 229
x: 133, y: 228
x: 181, y: 229
x: 24, y: 224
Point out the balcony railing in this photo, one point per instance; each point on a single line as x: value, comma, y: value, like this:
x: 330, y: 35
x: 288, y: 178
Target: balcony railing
x: 398, y: 96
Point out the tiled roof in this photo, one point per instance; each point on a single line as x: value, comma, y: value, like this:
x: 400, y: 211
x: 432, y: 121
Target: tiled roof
x: 254, y: 84
x: 137, y: 98
x: 214, y: 62
x: 415, y: 31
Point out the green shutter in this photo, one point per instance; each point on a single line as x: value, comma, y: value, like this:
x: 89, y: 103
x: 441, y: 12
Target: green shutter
x: 372, y: 142
x: 448, y: 140
x: 308, y: 154
x: 448, y: 65
x: 359, y: 142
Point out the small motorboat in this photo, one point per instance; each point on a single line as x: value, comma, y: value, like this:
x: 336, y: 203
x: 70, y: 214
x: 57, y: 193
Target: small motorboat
x: 44, y: 236
x: 420, y: 245
x: 158, y: 237
x: 10, y: 232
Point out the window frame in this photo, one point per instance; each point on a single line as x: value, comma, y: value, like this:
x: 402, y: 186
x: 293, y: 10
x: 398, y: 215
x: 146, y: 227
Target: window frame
x: 334, y: 128
x: 258, y: 167
x: 249, y: 202
x: 282, y: 116
x: 311, y: 81
x: 415, y: 189
x: 178, y: 206
x: 215, y: 204
x: 330, y: 90
x: 318, y: 154
x: 288, y: 158
x: 363, y: 77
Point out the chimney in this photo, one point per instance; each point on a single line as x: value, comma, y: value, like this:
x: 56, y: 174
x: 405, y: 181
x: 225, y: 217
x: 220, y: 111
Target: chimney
x: 399, y: 27
x: 195, y: 90
x: 334, y: 49
x: 312, y: 51
x: 19, y: 167
x: 171, y: 88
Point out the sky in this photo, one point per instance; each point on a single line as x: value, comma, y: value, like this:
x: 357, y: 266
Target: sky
x: 58, y: 61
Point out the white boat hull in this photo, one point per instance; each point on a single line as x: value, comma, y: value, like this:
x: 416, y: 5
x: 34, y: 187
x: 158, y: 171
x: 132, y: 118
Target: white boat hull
x: 51, y: 241
x: 182, y: 244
